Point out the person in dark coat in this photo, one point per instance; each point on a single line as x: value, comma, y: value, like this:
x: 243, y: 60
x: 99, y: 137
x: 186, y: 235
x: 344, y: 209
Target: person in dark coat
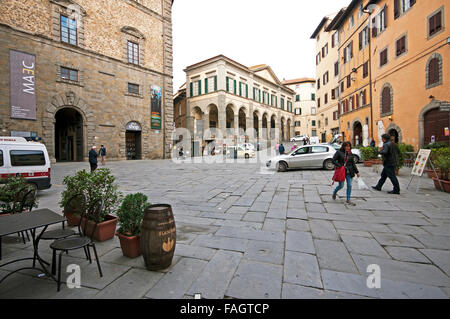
x: 345, y: 157
x: 389, y: 151
x: 93, y: 158
x: 281, y: 149
x: 103, y: 154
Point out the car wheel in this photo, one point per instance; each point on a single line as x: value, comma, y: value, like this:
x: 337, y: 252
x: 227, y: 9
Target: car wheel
x: 282, y: 167
x: 328, y: 165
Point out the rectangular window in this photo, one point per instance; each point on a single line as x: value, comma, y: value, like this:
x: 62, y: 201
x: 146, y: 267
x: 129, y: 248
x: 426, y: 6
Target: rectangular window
x: 195, y: 88
x: 383, y: 57
x: 318, y: 83
x: 348, y: 52
x: 400, y: 46
x: 313, y: 96
x: 435, y: 23
x: 68, y: 30
x: 349, y: 81
x: 27, y: 158
x: 313, y: 111
x: 342, y: 87
x: 313, y: 122
x: 133, y: 88
x: 326, y: 98
x: 69, y: 74
x: 298, y: 111
x: 297, y: 98
x: 282, y: 103
x: 364, y: 38
x: 366, y: 69
x: 325, y: 78
x: 318, y: 102
x: 133, y: 52
x: 317, y: 59
x: 211, y: 84
x: 336, y: 69
x: 334, y: 39
x: 333, y: 94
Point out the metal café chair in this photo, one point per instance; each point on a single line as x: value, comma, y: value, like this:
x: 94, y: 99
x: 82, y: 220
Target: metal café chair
x: 84, y: 240
x: 27, y: 202
x: 76, y: 204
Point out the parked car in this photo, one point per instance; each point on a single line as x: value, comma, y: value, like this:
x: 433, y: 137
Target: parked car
x: 309, y: 156
x: 28, y: 159
x: 298, y: 138
x: 248, y: 146
x: 241, y: 152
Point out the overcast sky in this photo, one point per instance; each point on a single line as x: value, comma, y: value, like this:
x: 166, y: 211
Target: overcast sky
x: 251, y: 32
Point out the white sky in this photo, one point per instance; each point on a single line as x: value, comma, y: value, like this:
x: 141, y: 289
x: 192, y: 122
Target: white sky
x: 251, y: 32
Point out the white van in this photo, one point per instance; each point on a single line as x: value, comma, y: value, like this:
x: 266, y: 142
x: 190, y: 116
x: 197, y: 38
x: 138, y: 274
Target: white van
x: 28, y: 159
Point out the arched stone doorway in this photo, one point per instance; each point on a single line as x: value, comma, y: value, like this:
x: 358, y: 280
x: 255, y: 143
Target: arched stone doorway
x: 357, y: 133
x: 133, y: 141
x: 69, y: 141
x: 272, y: 127
x: 242, y: 121
x: 435, y: 122
x: 394, y: 135
x: 230, y: 120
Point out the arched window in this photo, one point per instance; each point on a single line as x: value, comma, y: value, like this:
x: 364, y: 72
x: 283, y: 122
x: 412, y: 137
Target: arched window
x: 386, y: 100
x: 434, y: 71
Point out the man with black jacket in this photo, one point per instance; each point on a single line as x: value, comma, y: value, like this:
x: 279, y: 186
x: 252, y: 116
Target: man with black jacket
x: 93, y: 158
x: 389, y: 151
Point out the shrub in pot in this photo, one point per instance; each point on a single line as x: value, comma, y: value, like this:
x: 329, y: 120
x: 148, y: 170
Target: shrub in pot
x: 443, y: 164
x: 11, y: 193
x: 96, y: 185
x: 130, y: 215
x: 369, y: 155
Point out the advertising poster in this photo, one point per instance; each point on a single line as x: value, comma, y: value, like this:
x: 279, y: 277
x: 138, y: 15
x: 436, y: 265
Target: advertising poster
x: 421, y: 162
x: 22, y: 81
x: 155, y: 92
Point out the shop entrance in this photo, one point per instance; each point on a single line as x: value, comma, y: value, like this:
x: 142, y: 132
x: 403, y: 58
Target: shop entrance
x: 68, y: 136
x: 133, y: 141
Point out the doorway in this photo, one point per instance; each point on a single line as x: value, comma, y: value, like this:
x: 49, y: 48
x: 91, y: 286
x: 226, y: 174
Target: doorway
x: 69, y: 136
x: 133, y: 145
x: 357, y: 134
x: 435, y: 123
x: 394, y: 135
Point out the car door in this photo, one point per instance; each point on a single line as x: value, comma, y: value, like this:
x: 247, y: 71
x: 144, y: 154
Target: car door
x: 318, y: 155
x: 300, y: 158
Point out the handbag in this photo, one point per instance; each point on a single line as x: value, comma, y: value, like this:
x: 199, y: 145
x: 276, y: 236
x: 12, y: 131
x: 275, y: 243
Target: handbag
x: 339, y: 173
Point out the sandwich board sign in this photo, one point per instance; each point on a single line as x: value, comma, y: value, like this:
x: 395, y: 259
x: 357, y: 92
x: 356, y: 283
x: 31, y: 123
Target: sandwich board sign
x: 420, y: 162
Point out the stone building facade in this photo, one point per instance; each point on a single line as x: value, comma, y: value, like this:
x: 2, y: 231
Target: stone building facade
x: 226, y: 100
x: 93, y: 75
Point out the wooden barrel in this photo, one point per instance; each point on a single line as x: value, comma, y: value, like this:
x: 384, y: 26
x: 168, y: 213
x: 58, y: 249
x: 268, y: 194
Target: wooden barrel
x: 158, y: 237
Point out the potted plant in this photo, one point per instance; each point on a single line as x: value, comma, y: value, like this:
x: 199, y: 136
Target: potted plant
x: 11, y: 193
x: 75, y: 185
x: 130, y: 215
x: 369, y: 155
x: 403, y: 148
x: 96, y: 185
x: 443, y: 164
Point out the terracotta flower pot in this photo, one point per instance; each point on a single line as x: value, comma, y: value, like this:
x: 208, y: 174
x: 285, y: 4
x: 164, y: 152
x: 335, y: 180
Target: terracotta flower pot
x: 131, y: 245
x: 104, y: 231
x: 396, y: 171
x: 72, y: 219
x: 445, y: 184
x: 368, y: 163
x: 377, y: 161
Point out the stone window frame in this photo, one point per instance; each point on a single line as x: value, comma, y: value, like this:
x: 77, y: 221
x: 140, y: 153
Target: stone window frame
x: 441, y: 74
x: 392, y: 100
x: 72, y: 10
x: 131, y: 34
x: 59, y: 79
x: 406, y: 44
x: 442, y: 21
x: 139, y: 95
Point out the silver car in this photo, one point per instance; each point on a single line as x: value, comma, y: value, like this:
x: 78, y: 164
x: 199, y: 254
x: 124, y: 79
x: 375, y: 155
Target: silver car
x: 309, y: 156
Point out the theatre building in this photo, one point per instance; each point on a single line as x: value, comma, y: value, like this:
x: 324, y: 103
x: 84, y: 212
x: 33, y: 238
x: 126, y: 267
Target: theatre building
x: 78, y: 73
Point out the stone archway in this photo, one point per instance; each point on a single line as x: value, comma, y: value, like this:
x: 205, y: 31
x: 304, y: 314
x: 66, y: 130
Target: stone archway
x: 435, y: 104
x: 356, y: 131
x: 396, y: 131
x: 71, y: 101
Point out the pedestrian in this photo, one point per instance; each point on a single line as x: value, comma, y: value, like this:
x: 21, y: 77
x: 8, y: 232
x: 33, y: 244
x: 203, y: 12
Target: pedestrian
x: 258, y: 146
x: 372, y: 142
x: 180, y: 152
x: 344, y: 158
x: 304, y: 141
x: 103, y: 154
x: 93, y: 158
x: 389, y: 151
x: 293, y: 147
x: 277, y: 149
x: 281, y: 149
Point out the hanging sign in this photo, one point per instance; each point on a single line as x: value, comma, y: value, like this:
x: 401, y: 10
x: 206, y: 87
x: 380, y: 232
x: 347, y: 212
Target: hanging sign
x: 420, y: 163
x: 22, y: 85
x: 155, y: 92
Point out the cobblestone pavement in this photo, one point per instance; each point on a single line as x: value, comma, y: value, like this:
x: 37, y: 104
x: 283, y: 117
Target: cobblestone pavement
x: 244, y: 233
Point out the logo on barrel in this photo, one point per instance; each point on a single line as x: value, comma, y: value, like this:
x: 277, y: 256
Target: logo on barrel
x: 167, y: 246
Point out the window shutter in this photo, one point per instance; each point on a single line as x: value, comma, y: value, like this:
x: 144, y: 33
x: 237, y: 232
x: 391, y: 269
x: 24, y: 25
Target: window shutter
x: 191, y: 89
x: 374, y: 27
x: 385, y: 17
x: 228, y: 84
x: 240, y: 88
x: 199, y: 87
x: 396, y: 9
x: 438, y: 21
x: 215, y: 83
x: 351, y: 49
x: 360, y: 41
x: 333, y: 94
x: 386, y: 100
x: 246, y: 91
x: 357, y: 100
x: 235, y: 87
x: 206, y: 86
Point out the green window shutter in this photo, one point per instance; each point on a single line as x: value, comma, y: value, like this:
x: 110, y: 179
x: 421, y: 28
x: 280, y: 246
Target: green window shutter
x: 215, y: 83
x: 192, y: 90
x: 240, y: 88
x: 206, y: 86
x: 199, y: 87
x: 228, y: 84
x: 259, y: 92
x: 246, y: 91
x: 235, y: 87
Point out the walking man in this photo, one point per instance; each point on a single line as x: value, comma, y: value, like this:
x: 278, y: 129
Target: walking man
x: 103, y: 154
x: 390, y: 158
x: 93, y: 158
x: 281, y: 149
